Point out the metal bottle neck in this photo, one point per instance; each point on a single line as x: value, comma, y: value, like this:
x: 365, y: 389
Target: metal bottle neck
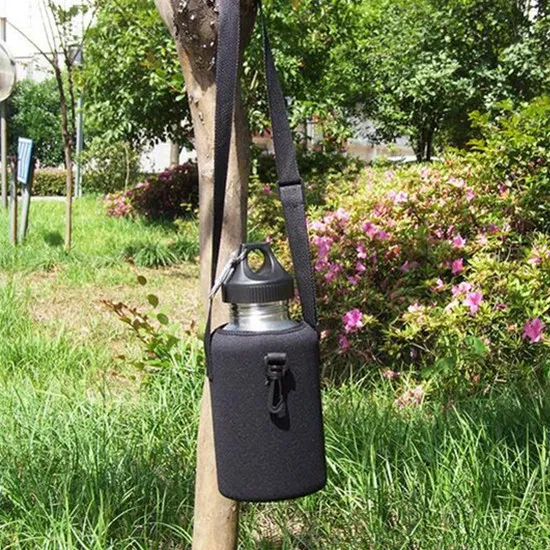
x: 260, y: 317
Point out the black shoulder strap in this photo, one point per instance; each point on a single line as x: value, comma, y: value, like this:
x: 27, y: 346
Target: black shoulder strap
x: 291, y: 189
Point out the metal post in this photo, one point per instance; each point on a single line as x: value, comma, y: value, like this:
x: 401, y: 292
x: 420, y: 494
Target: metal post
x: 4, y: 131
x: 79, y: 146
x: 13, y: 196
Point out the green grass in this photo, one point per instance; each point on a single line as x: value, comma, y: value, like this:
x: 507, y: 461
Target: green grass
x: 94, y: 457
x: 100, y: 243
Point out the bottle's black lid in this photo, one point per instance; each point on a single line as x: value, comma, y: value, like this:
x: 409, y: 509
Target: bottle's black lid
x: 269, y: 283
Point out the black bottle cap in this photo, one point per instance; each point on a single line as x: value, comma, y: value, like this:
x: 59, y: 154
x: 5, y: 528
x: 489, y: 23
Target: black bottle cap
x: 269, y: 283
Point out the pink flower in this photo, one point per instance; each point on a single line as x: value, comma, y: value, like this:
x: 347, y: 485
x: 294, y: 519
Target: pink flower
x: 267, y: 189
x: 389, y: 175
x: 533, y: 330
x: 343, y: 342
x: 321, y: 265
x: 457, y: 266
x: 389, y: 374
x: 353, y: 280
x: 399, y: 197
x: 502, y: 190
x: 323, y: 245
x: 332, y: 273
x: 458, y: 242
x: 473, y: 301
x: 408, y: 266
x: 353, y: 320
x: 439, y: 286
x: 317, y: 225
x: 361, y: 252
x: 342, y: 215
x: 470, y: 195
x: 482, y: 239
x: 370, y: 229
x: 451, y: 305
x: 381, y: 235
x: 415, y: 308
x: 360, y: 268
x: 462, y: 288
x: 537, y: 256
x: 457, y: 182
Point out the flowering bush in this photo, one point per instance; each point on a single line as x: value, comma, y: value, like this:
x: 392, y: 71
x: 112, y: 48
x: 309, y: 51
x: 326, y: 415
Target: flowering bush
x: 437, y: 272
x: 166, y: 196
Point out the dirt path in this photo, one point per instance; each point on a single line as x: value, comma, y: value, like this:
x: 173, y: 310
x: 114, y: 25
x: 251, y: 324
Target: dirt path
x: 79, y: 309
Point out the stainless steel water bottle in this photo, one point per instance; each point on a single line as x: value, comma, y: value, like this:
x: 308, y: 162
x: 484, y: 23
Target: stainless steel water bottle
x: 258, y: 297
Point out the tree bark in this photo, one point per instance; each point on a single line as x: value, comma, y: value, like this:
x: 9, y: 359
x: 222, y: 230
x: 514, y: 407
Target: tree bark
x: 193, y: 24
x: 68, y: 141
x: 174, y: 154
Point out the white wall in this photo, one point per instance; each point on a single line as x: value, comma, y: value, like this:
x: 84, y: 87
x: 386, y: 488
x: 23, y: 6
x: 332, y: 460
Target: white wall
x: 29, y: 17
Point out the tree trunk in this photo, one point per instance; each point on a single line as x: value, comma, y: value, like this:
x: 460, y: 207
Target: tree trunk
x: 68, y: 148
x: 429, y: 143
x: 193, y: 26
x: 174, y: 154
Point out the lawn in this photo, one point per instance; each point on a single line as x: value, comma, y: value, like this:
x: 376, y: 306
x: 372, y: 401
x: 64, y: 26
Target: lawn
x: 95, y: 454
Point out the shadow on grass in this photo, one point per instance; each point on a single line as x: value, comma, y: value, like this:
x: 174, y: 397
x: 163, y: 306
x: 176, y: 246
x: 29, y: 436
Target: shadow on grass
x: 53, y: 238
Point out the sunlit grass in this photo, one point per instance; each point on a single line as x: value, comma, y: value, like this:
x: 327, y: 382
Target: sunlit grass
x: 99, y: 243
x: 98, y: 458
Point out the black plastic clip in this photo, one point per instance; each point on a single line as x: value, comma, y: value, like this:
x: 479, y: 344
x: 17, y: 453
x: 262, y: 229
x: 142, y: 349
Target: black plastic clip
x: 276, y: 369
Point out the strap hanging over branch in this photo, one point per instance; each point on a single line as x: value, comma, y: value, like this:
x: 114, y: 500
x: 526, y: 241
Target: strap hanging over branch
x: 291, y: 189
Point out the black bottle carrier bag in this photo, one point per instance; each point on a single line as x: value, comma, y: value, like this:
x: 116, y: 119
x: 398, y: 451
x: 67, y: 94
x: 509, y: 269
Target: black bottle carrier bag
x: 266, y: 448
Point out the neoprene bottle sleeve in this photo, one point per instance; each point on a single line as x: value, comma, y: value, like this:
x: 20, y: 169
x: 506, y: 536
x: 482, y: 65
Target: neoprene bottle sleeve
x: 264, y: 455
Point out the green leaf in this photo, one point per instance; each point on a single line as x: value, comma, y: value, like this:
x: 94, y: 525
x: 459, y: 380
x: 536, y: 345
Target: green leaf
x: 476, y: 346
x: 142, y: 280
x: 162, y: 319
x: 153, y: 300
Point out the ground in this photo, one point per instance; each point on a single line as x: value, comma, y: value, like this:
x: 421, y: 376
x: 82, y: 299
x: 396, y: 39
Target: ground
x: 96, y: 454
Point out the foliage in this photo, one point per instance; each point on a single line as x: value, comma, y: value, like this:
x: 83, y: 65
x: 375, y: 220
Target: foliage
x: 159, y: 253
x: 133, y: 80
x: 109, y: 166
x: 322, y: 61
x: 166, y: 196
x: 35, y: 114
x: 318, y: 170
x: 440, y: 270
x: 515, y: 152
x: 161, y: 348
x: 437, y: 61
x: 49, y: 182
x: 414, y: 68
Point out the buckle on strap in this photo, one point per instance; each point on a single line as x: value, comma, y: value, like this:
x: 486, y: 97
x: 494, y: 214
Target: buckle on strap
x: 276, y: 369
x: 290, y: 183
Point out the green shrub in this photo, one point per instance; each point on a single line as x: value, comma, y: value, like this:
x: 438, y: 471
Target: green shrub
x: 49, y: 182
x: 437, y: 272
x: 160, y: 254
x: 165, y: 196
x: 149, y: 254
x: 109, y: 167
x: 515, y: 155
x: 318, y: 169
